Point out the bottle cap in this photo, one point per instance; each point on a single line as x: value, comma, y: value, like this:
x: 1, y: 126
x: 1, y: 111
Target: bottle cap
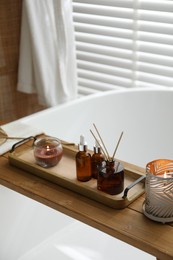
x: 97, y: 147
x: 82, y: 144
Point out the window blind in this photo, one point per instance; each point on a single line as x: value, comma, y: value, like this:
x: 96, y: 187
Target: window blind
x: 123, y: 44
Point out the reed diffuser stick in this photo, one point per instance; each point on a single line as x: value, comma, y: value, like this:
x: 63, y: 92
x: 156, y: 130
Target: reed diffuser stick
x: 117, y: 145
x: 99, y: 144
x: 102, y: 141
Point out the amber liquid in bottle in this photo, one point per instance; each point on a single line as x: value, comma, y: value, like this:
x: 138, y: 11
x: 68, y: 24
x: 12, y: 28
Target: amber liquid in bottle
x: 96, y: 162
x: 83, y: 162
x: 111, y: 178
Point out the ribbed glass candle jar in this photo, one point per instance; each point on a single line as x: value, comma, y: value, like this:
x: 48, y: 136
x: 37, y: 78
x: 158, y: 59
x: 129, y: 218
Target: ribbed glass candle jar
x: 159, y: 190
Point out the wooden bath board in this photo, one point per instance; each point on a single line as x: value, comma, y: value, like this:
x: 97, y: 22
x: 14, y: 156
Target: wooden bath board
x: 64, y: 174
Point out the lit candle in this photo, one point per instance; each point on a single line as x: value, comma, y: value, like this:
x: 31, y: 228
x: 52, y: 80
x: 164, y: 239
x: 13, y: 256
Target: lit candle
x: 159, y: 190
x: 48, y: 152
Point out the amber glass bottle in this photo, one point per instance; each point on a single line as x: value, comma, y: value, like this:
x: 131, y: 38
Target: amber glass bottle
x: 111, y: 177
x: 96, y: 161
x: 83, y: 161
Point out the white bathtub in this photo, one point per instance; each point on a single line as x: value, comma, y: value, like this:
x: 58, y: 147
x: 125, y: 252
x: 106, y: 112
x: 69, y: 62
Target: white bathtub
x: 30, y: 230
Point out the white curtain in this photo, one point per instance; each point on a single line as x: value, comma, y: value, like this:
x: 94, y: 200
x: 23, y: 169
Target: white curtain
x: 47, y: 64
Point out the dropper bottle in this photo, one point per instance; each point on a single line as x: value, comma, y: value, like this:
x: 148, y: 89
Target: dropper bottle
x: 83, y: 161
x: 96, y: 160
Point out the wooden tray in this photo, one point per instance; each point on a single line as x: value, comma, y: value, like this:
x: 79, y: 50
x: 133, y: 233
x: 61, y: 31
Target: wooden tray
x: 64, y: 174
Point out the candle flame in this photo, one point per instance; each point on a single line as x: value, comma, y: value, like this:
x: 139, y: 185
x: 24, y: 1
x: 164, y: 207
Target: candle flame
x: 48, y: 148
x: 165, y: 175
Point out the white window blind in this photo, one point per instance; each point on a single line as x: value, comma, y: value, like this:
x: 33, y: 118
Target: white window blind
x: 123, y: 44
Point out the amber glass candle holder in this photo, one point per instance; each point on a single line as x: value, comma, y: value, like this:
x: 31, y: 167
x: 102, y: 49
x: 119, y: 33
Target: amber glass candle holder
x: 48, y: 151
x: 111, y: 177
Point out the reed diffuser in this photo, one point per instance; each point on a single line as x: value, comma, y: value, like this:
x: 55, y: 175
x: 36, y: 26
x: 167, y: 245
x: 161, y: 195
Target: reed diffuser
x: 111, y: 172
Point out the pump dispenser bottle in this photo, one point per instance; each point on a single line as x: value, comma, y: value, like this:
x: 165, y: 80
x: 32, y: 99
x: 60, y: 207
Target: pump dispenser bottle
x: 96, y: 160
x: 83, y: 161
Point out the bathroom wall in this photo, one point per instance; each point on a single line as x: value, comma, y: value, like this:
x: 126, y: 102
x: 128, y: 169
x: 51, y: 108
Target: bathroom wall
x: 13, y: 104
